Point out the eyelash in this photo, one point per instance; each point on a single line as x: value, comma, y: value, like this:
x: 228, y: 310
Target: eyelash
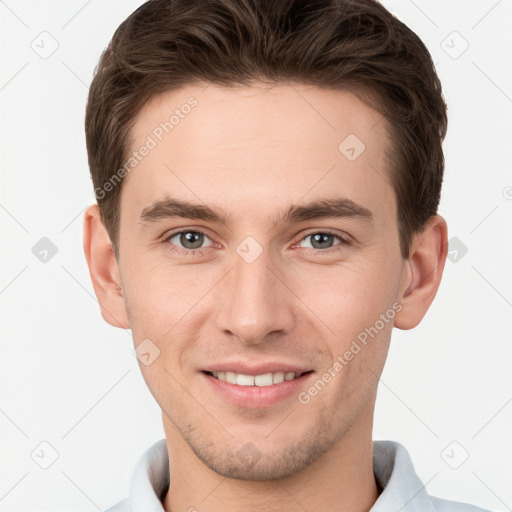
x: 200, y: 252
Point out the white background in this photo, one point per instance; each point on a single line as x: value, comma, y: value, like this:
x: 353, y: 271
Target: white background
x: 71, y: 380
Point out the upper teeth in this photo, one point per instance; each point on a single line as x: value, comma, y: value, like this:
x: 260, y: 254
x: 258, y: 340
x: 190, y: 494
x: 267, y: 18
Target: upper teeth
x: 266, y: 379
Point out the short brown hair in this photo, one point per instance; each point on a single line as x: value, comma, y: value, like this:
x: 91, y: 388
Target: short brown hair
x: 340, y: 44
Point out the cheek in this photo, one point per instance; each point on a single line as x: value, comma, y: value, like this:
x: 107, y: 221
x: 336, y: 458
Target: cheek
x: 159, y: 294
x: 350, y: 296
x: 168, y: 305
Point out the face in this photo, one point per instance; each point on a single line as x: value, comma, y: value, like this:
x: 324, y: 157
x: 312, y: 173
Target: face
x: 259, y: 260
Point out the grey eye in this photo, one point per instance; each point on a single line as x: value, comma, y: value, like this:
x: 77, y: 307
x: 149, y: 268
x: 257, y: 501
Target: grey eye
x: 189, y: 239
x: 321, y: 240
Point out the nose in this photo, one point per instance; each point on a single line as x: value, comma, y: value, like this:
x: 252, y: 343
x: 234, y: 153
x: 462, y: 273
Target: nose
x: 254, y: 301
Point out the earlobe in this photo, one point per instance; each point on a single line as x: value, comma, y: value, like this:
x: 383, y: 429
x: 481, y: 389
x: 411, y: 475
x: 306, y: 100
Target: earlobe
x: 422, y: 272
x: 103, y: 269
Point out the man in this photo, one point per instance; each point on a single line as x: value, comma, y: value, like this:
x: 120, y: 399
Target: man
x: 267, y: 177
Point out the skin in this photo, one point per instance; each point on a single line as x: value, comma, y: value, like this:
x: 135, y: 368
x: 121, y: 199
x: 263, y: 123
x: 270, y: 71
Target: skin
x: 253, y: 152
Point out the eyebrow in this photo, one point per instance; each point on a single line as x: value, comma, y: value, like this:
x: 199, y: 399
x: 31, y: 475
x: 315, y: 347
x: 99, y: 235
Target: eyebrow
x: 322, y: 209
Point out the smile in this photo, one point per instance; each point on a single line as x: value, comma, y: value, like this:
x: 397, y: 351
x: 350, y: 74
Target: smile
x: 265, y: 379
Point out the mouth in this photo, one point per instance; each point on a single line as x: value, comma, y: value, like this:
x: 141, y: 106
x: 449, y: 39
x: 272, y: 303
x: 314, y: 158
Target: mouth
x: 255, y: 388
x: 261, y: 380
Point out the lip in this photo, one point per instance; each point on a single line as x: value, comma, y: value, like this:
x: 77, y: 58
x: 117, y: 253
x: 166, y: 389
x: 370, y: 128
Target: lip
x: 256, y: 369
x: 256, y: 397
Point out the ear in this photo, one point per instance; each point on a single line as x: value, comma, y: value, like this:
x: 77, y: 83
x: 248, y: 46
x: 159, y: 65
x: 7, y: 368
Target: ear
x: 422, y: 272
x: 103, y: 269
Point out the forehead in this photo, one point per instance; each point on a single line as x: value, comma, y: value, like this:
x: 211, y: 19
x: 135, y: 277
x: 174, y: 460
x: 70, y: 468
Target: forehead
x: 251, y: 143
x: 261, y: 111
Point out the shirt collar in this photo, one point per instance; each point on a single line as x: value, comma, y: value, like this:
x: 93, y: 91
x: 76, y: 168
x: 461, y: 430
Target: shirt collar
x: 150, y: 479
x: 394, y: 471
x: 403, y: 491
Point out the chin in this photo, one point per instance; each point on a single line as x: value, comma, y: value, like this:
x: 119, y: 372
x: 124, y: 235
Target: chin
x: 256, y: 459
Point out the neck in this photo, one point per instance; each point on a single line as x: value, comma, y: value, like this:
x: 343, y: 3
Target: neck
x: 342, y: 479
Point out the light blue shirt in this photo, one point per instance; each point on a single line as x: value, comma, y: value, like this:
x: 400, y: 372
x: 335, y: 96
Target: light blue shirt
x: 403, y: 491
